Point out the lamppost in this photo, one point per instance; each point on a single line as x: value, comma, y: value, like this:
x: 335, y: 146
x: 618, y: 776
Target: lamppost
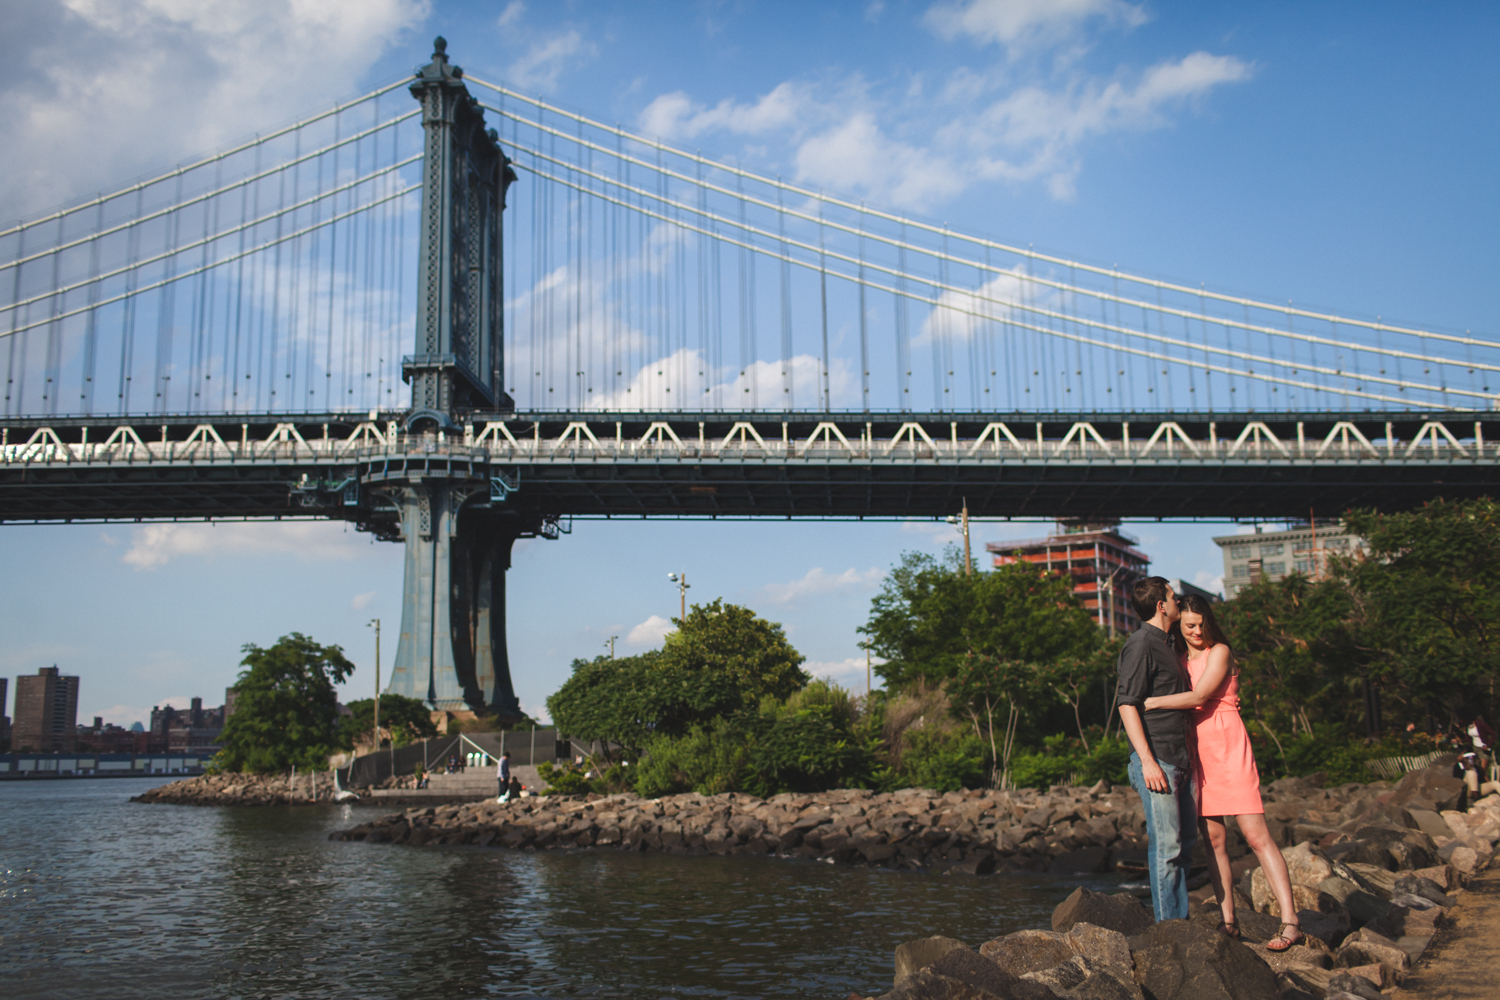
x: 375, y: 624
x: 963, y: 525
x: 611, y: 645
x: 682, y: 588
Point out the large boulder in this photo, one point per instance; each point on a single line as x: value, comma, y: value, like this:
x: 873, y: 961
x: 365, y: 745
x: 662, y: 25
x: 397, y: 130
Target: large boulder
x: 1430, y: 787
x: 960, y: 974
x: 1365, y: 947
x: 1079, y: 978
x: 1121, y: 912
x: 1432, y: 824
x: 1102, y: 945
x: 1178, y: 960
x: 1028, y: 951
x: 915, y: 955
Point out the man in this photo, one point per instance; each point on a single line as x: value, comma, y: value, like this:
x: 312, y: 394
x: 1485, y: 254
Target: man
x: 1161, y: 768
x: 504, y: 775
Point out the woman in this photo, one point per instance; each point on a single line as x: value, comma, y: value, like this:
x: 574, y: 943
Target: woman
x: 1228, y: 782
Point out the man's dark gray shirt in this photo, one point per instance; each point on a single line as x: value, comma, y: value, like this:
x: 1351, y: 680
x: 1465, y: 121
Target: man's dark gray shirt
x: 1149, y: 668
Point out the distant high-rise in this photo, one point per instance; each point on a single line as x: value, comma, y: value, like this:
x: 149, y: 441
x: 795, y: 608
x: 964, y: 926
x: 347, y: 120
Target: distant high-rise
x: 46, y: 712
x: 4, y: 719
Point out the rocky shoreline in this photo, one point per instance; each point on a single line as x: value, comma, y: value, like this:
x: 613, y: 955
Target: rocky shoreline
x: 1376, y: 869
x: 312, y: 788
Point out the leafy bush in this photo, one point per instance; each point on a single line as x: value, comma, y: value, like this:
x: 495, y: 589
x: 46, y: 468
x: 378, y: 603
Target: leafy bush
x: 942, y: 761
x: 1062, y: 759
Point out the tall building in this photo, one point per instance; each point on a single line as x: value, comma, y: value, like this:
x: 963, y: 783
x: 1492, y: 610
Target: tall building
x: 46, y: 712
x: 1272, y: 555
x: 1102, y: 561
x: 4, y: 719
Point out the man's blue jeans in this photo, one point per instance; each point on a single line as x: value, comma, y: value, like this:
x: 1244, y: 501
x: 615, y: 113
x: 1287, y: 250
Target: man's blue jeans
x: 1172, y: 826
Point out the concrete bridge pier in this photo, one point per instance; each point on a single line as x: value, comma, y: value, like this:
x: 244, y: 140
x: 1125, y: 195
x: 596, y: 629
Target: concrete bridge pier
x: 452, y: 651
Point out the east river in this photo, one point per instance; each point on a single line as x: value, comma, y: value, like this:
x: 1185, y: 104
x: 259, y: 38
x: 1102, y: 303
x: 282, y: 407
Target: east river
x: 103, y: 897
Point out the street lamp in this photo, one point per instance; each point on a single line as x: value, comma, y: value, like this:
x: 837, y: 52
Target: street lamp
x: 682, y: 588
x: 962, y: 521
x: 375, y: 624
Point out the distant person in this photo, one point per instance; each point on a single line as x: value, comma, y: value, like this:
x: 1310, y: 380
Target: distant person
x: 513, y: 790
x: 503, y: 773
x: 1224, y: 767
x: 1161, y: 768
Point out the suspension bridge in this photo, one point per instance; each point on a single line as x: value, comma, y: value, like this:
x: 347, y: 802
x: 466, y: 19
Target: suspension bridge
x: 610, y: 326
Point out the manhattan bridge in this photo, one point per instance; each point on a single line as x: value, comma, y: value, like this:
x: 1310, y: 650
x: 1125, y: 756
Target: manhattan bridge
x: 470, y: 318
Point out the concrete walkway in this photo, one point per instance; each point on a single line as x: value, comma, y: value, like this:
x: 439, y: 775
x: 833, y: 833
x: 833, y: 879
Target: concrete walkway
x: 1463, y: 961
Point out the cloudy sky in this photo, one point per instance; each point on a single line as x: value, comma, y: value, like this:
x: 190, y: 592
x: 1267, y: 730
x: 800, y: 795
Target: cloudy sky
x: 1337, y: 155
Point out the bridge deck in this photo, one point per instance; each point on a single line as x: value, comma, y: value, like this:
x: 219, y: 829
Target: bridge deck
x: 749, y: 465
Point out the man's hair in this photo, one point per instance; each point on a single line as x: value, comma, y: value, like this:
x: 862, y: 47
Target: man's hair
x: 505, y: 753
x: 1147, y: 594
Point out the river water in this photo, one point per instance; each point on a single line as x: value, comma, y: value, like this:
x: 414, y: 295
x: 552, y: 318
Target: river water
x: 103, y: 897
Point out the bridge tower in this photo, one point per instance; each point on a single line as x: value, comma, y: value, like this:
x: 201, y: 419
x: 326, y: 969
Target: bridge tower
x: 457, y: 530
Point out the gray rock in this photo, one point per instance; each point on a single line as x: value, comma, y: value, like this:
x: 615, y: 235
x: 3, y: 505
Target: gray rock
x: 918, y: 954
x: 1121, y: 912
x: 1082, y: 979
x: 1330, y: 928
x: 1028, y: 951
x: 1431, y: 823
x: 1100, y: 944
x: 1178, y: 960
x: 980, y: 973
x: 1436, y: 785
x: 1365, y: 947
x: 1357, y: 986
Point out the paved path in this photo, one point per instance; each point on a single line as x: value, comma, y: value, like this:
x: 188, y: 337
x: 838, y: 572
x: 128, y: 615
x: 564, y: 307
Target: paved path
x: 1463, y: 961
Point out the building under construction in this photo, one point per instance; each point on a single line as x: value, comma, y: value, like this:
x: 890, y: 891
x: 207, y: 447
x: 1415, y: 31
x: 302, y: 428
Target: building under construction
x: 1102, y: 560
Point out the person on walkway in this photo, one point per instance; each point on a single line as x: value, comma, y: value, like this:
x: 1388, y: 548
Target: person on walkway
x: 503, y: 773
x: 1224, y: 766
x: 1161, y: 768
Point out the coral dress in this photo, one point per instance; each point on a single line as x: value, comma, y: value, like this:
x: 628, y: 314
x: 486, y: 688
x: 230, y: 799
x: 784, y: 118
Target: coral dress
x: 1228, y: 781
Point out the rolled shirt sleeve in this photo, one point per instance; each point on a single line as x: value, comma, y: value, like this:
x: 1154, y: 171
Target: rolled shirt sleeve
x: 1135, y: 680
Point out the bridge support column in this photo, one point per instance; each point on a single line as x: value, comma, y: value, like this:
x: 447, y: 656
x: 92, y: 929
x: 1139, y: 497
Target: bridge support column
x: 452, y: 651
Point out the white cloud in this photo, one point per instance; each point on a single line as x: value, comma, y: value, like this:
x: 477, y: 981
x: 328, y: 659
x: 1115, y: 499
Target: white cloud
x: 677, y: 116
x: 856, y: 154
x: 511, y: 14
x: 362, y: 601
x: 915, y: 151
x: 848, y: 673
x: 1209, y: 581
x: 82, y: 112
x: 1019, y: 25
x: 1036, y: 133
x: 154, y: 545
x: 546, y: 58
x: 118, y: 715
x: 649, y: 632
x: 819, y: 581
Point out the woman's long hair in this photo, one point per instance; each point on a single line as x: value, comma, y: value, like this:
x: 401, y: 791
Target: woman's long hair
x: 1199, y: 605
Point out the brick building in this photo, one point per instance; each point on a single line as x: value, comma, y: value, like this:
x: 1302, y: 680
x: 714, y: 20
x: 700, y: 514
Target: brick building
x: 1102, y: 561
x: 46, y: 712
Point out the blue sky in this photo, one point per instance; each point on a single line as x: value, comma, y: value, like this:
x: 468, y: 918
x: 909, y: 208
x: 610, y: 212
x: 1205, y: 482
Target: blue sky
x: 1336, y: 155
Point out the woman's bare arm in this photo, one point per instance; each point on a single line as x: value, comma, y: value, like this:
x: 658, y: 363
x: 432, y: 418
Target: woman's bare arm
x: 1208, y: 685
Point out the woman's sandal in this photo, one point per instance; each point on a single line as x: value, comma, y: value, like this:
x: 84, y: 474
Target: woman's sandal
x: 1230, y: 929
x: 1282, y: 941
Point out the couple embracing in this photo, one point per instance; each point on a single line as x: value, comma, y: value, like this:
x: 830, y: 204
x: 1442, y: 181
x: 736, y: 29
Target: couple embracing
x: 1192, y: 765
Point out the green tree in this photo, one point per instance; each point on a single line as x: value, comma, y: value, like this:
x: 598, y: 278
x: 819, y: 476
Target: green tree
x: 616, y: 701
x: 286, y: 708
x: 722, y: 661
x: 407, y: 720
x: 931, y: 618
x: 1426, y: 607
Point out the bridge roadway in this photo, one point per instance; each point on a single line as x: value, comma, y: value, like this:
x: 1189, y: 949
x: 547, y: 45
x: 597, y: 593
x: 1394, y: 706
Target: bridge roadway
x: 541, y: 467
